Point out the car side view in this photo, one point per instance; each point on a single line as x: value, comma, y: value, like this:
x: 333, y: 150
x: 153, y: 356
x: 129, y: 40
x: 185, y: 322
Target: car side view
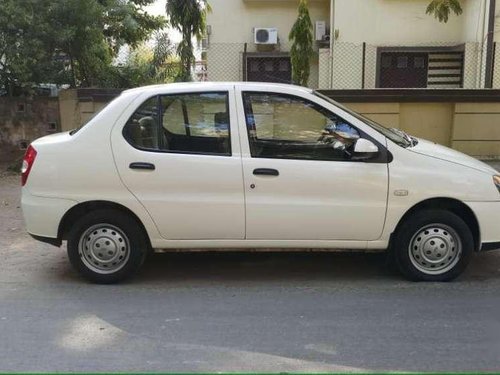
x: 253, y: 165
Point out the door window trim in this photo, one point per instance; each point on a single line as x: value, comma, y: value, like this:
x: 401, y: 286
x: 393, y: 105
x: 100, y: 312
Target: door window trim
x: 384, y: 156
x: 160, y: 128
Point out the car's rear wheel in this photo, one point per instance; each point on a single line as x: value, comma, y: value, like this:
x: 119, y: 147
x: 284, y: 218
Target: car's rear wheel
x: 106, y: 246
x: 433, y: 245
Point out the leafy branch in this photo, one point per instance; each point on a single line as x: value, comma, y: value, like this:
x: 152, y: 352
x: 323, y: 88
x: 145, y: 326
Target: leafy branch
x: 441, y: 9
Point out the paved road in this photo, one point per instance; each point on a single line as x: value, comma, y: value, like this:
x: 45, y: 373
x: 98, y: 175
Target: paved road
x: 239, y: 312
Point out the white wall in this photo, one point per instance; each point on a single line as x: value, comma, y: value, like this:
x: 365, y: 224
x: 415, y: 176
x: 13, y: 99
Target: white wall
x: 376, y: 22
x: 497, y: 23
x: 379, y: 22
x: 233, y: 20
x: 402, y: 23
x: 232, y: 23
x: 393, y: 22
x: 474, y: 26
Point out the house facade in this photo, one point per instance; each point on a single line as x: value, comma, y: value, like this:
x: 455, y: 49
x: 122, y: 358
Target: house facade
x: 358, y: 44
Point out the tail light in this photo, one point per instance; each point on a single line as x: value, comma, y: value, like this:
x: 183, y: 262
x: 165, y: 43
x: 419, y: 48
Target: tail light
x: 28, y: 160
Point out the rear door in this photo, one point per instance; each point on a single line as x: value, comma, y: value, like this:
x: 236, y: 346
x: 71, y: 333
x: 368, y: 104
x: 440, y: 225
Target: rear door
x: 179, y: 155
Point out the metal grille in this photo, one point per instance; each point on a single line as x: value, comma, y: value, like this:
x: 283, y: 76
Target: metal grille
x: 359, y: 65
x: 267, y: 68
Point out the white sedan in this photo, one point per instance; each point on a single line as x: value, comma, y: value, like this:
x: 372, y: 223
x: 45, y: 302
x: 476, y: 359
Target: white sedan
x: 252, y: 165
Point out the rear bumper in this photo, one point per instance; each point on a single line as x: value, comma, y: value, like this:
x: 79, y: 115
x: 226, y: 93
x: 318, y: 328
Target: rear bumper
x: 42, y: 215
x: 51, y: 241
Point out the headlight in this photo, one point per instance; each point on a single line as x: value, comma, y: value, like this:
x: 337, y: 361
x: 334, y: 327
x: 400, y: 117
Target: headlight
x: 496, y: 181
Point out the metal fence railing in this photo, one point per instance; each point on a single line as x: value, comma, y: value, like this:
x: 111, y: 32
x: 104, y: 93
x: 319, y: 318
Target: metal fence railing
x: 361, y: 65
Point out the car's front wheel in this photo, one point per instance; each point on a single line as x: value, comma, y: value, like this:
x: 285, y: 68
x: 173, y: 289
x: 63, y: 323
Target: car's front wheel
x: 433, y: 245
x: 106, y: 246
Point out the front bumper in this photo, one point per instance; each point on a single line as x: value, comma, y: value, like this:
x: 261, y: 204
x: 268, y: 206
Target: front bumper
x: 488, y: 217
x: 488, y: 246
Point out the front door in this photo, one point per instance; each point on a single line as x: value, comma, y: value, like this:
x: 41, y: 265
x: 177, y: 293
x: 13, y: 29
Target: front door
x: 177, y: 155
x: 298, y: 185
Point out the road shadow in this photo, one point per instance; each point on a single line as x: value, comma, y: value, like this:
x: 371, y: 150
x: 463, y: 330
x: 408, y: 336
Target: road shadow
x: 264, y: 266
x: 292, y: 266
x: 276, y: 266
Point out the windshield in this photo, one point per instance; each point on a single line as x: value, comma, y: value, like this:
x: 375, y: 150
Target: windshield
x: 396, y: 136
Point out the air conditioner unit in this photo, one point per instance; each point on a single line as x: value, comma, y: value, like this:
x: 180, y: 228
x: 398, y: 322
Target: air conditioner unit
x: 320, y: 30
x: 204, y: 44
x: 268, y: 35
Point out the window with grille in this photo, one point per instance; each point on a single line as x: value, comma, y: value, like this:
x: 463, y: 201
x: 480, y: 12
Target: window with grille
x: 268, y: 69
x: 420, y: 68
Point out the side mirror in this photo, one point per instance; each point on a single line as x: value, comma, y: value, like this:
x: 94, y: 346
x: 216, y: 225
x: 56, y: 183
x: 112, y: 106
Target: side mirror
x: 364, y: 149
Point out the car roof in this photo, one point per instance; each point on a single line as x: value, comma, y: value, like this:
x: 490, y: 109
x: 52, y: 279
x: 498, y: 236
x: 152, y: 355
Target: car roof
x: 153, y: 89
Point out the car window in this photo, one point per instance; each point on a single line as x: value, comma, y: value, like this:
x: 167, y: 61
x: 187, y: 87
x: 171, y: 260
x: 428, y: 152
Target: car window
x: 141, y: 129
x: 393, y: 135
x: 198, y: 115
x: 184, y: 123
x: 172, y: 118
x: 290, y: 127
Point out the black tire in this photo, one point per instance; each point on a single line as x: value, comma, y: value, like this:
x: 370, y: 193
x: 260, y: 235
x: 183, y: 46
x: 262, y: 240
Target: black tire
x: 427, y: 231
x: 122, y: 229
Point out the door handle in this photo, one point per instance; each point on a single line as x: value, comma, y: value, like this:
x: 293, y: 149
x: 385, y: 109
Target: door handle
x: 266, y: 172
x: 140, y: 165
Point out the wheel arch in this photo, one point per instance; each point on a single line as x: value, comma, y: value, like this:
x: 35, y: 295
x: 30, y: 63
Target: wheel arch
x: 83, y: 208
x: 450, y: 204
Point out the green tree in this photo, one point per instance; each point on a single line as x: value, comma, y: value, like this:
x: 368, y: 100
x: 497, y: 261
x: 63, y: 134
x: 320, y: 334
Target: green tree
x: 441, y: 9
x: 67, y: 41
x: 302, y: 45
x: 94, y: 30
x: 126, y: 22
x: 81, y: 39
x: 189, y: 17
x: 147, y: 64
x: 26, y: 45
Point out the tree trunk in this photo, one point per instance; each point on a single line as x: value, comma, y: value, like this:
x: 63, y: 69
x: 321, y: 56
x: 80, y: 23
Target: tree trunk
x: 72, y: 67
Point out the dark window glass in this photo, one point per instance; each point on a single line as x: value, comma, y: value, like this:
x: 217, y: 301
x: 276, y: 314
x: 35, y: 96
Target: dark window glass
x: 408, y: 69
x: 184, y: 123
x: 386, y: 61
x: 419, y: 62
x: 268, y: 69
x: 141, y: 129
x: 402, y: 62
x: 254, y: 66
x: 284, y: 65
x: 289, y: 127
